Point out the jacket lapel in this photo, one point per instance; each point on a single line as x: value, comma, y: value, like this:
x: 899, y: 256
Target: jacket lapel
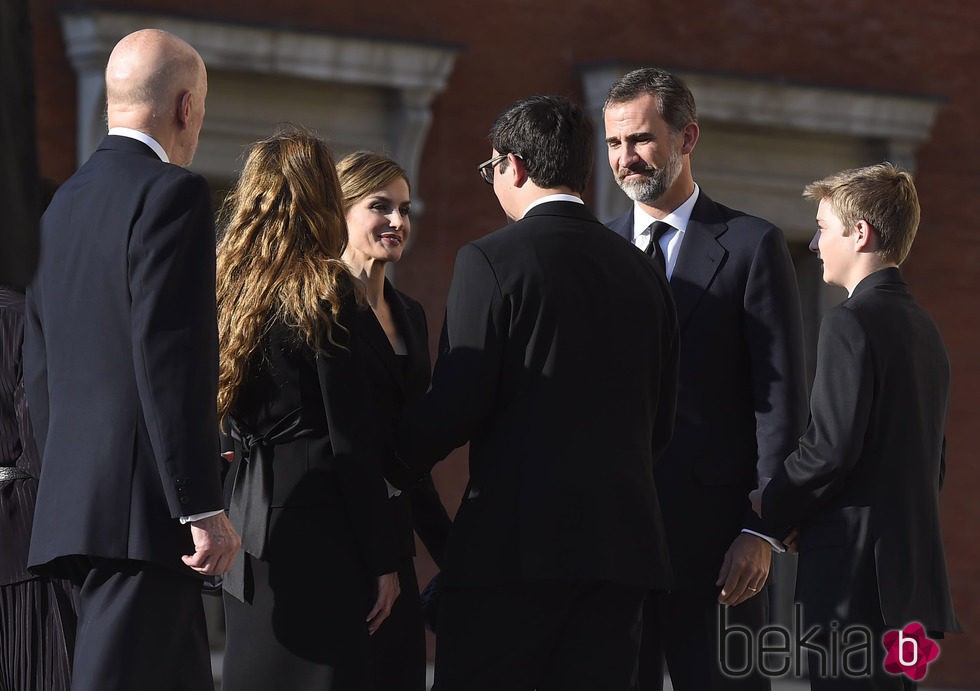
x: 623, y: 225
x: 700, y: 258
x: 372, y: 333
x: 410, y: 321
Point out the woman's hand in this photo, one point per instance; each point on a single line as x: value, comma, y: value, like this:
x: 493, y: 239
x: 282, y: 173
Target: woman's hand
x: 388, y: 591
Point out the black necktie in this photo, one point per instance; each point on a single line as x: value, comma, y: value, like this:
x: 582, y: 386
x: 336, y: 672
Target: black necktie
x: 657, y: 230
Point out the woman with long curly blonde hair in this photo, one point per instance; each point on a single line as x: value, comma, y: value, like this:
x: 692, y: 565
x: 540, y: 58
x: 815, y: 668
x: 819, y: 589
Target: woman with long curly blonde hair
x: 317, y: 575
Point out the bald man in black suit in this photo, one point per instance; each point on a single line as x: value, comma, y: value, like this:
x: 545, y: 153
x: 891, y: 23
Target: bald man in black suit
x: 121, y: 373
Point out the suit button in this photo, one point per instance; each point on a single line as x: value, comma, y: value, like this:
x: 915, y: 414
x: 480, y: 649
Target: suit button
x: 184, y: 499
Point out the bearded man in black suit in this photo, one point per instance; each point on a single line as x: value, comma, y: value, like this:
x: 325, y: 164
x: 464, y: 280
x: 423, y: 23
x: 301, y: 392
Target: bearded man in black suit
x: 863, y: 486
x: 121, y: 374
x: 558, y: 365
x: 742, y: 399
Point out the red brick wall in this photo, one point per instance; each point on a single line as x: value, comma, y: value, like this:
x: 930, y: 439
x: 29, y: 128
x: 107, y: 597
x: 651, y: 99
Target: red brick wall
x: 514, y: 48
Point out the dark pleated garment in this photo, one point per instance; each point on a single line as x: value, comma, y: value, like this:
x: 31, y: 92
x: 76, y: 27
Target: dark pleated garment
x: 17, y: 449
x: 37, y: 636
x: 37, y: 618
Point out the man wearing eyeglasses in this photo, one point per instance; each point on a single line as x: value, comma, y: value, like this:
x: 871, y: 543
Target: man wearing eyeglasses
x: 558, y: 366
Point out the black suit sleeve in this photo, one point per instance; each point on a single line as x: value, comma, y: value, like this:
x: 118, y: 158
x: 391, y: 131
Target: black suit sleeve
x: 432, y: 522
x: 774, y: 335
x: 174, y: 338
x: 774, y: 340
x: 840, y: 411
x: 467, y: 371
x: 357, y: 449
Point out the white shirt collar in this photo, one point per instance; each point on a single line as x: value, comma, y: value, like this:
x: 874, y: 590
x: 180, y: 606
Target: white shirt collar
x: 552, y: 198
x: 670, y: 242
x: 678, y: 218
x: 142, y: 137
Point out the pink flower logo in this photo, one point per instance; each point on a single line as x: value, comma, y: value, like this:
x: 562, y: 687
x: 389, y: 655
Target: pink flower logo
x: 910, y: 651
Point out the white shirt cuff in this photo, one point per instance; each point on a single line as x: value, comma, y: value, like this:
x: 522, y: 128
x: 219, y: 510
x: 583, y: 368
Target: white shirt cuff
x: 199, y: 516
x: 777, y: 546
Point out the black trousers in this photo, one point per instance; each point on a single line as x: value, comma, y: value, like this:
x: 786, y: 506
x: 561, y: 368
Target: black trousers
x: 681, y: 628
x: 140, y: 626
x: 821, y: 606
x: 539, y: 636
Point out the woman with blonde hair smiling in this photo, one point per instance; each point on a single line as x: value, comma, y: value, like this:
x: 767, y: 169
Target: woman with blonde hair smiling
x: 317, y: 573
x: 377, y: 203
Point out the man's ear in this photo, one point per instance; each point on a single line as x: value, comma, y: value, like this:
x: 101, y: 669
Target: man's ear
x: 184, y: 107
x: 689, y: 136
x: 520, y: 172
x: 865, y: 238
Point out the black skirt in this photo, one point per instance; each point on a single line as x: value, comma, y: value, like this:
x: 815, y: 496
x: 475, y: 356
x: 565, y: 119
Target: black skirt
x: 308, y: 634
x: 37, y: 635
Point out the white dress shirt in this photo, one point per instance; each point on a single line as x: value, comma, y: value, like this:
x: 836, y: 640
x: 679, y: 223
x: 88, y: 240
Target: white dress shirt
x: 670, y: 242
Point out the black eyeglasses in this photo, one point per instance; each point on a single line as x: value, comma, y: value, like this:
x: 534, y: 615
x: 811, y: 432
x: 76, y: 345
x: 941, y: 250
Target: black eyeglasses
x: 486, y: 168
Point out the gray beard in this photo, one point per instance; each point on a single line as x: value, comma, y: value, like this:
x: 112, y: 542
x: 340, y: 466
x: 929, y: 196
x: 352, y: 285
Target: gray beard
x: 655, y: 184
x: 648, y: 190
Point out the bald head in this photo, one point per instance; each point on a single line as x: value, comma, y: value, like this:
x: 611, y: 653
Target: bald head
x: 157, y: 83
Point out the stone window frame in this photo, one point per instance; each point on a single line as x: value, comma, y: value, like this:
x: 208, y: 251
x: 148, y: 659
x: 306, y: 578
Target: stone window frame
x: 414, y: 72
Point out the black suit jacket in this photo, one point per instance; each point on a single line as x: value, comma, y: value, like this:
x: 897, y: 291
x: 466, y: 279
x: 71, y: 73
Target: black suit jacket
x: 863, y: 486
x: 310, y: 467
x: 121, y: 360
x: 397, y: 380
x: 558, y: 365
x: 742, y: 396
